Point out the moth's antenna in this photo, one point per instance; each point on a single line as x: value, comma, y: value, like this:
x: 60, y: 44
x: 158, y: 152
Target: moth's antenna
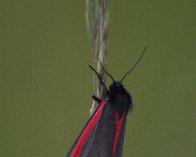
x: 134, y: 64
x: 106, y: 71
x: 99, y: 77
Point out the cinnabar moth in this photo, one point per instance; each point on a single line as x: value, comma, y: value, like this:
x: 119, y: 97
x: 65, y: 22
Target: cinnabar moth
x: 103, y: 134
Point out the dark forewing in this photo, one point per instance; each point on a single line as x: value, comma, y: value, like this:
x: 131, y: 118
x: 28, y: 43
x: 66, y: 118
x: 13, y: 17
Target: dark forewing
x: 102, y: 136
x: 102, y: 145
x: 85, y: 138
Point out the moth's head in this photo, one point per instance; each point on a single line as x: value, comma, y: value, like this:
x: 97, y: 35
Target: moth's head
x: 116, y: 86
x: 119, y: 97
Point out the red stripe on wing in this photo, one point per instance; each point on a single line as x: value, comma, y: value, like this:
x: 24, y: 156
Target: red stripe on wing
x: 90, y: 126
x: 119, y: 123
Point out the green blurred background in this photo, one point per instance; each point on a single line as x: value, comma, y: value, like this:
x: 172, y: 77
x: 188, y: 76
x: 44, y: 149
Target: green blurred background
x: 46, y: 86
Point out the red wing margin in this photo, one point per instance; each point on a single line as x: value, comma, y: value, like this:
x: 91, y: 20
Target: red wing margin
x: 119, y: 135
x: 87, y: 132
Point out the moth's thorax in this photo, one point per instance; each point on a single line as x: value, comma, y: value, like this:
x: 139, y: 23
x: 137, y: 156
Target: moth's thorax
x: 119, y: 98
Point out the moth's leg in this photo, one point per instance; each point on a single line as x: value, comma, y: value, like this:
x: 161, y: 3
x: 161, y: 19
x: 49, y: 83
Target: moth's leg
x: 96, y: 99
